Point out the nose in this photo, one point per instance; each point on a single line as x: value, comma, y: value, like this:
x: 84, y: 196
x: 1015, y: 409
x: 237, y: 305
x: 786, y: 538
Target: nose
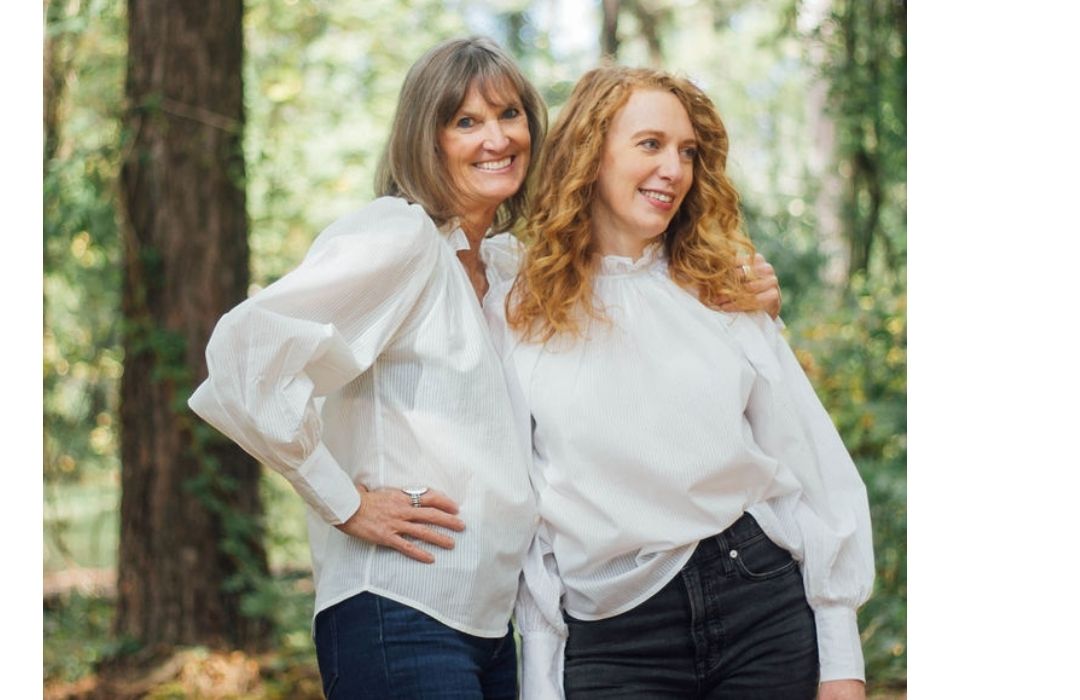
x: 495, y: 138
x: 671, y: 166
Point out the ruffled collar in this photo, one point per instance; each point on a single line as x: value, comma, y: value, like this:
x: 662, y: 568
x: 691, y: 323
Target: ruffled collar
x: 652, y: 258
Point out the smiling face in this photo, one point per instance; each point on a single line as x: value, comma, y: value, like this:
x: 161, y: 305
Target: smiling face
x: 485, y: 148
x: 646, y: 170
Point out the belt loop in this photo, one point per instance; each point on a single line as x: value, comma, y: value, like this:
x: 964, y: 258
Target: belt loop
x: 725, y: 552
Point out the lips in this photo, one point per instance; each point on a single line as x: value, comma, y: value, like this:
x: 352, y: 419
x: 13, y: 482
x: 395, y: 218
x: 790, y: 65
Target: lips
x: 495, y: 164
x: 657, y: 196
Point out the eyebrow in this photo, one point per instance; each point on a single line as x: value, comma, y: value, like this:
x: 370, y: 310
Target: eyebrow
x: 658, y: 132
x: 497, y: 105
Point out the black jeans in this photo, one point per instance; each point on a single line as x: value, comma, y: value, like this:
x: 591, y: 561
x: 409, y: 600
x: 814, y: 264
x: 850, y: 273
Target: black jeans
x: 733, y: 624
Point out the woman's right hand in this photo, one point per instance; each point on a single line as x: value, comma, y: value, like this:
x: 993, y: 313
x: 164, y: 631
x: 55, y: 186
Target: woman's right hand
x: 386, y: 516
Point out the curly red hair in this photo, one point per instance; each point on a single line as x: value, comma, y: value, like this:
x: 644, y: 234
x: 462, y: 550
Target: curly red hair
x: 703, y: 242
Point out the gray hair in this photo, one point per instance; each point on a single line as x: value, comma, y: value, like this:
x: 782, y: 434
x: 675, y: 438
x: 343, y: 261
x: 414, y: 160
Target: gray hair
x: 434, y: 88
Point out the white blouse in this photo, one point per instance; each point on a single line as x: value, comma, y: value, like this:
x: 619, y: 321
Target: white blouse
x: 661, y: 429
x: 371, y: 363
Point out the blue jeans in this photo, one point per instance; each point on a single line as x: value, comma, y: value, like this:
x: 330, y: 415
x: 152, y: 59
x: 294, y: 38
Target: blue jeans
x: 369, y: 646
x: 733, y: 624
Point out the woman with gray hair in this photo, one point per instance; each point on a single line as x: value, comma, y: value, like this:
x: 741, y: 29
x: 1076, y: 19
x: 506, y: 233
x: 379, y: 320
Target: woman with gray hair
x: 368, y: 379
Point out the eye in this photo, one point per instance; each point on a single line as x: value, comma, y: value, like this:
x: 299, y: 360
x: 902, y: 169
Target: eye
x: 511, y: 113
x: 690, y: 152
x: 465, y: 123
x: 650, y: 144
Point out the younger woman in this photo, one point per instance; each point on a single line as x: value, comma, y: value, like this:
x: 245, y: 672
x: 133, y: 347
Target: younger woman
x: 704, y: 532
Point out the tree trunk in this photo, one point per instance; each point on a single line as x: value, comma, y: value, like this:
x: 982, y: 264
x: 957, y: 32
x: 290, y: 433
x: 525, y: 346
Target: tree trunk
x: 649, y: 25
x: 822, y: 158
x: 609, y: 31
x: 190, y: 527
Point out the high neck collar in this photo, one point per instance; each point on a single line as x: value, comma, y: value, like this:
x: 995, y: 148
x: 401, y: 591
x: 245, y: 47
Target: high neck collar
x: 652, y: 257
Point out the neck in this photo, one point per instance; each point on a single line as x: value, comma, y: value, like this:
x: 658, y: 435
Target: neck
x: 475, y: 225
x: 615, y: 243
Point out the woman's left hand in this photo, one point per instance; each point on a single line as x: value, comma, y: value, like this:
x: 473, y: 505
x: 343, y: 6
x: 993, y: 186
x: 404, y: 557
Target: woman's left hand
x: 764, y: 284
x: 842, y: 690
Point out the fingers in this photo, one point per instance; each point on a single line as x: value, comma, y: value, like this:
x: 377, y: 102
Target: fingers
x: 758, y: 270
x: 426, y: 534
x: 760, y: 279
x: 763, y: 284
x: 434, y: 516
x: 769, y: 300
x: 387, y: 518
x: 409, y: 549
x: 762, y: 268
x: 438, y: 499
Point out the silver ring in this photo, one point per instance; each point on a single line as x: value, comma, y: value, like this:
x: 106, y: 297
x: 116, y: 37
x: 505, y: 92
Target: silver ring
x: 414, y: 493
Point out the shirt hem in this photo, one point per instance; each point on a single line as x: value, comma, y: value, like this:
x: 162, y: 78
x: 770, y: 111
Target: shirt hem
x: 404, y: 600
x: 638, y: 600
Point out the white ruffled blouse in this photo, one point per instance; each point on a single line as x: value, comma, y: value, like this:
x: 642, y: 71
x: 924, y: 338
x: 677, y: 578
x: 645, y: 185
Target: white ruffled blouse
x: 661, y: 429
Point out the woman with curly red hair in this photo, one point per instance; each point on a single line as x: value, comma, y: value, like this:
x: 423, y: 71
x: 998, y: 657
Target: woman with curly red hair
x: 704, y: 531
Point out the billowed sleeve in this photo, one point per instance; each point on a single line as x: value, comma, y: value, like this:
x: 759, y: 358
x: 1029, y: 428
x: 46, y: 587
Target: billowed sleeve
x: 829, y: 522
x: 309, y: 334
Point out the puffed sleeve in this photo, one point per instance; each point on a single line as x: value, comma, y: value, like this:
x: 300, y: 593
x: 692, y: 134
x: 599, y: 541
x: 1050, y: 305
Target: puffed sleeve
x: 309, y: 334
x: 829, y: 522
x: 502, y: 255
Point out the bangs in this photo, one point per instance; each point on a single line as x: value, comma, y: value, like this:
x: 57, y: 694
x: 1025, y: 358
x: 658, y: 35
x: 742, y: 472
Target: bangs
x: 499, y: 85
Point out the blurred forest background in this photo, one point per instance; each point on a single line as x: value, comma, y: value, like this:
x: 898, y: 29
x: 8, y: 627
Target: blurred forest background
x: 814, y: 96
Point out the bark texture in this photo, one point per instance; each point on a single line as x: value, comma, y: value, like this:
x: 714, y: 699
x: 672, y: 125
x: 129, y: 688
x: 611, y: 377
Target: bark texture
x: 190, y: 506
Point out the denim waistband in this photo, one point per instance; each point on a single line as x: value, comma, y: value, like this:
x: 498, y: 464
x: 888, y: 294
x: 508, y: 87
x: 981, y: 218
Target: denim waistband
x: 738, y: 534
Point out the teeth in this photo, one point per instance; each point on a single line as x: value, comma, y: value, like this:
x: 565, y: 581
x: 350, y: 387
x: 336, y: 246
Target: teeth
x: 494, y: 164
x: 658, y: 196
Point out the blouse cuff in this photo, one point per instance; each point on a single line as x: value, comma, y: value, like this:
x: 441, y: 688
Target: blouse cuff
x: 839, y: 647
x: 542, y: 665
x: 326, y: 487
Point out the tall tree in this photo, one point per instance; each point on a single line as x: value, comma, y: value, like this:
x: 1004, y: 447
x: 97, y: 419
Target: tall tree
x: 609, y: 29
x: 868, y: 44
x: 651, y: 21
x: 190, y: 544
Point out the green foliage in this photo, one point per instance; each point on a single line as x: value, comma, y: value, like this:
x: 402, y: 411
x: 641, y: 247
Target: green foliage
x: 82, y: 522
x: 82, y: 362
x: 866, y: 67
x: 321, y: 82
x: 77, y: 637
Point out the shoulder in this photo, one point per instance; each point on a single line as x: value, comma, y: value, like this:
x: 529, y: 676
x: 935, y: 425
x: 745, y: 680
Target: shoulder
x: 495, y: 301
x: 502, y: 255
x: 397, y: 227
x: 759, y: 337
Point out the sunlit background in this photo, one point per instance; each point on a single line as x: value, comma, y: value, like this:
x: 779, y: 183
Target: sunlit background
x: 814, y: 97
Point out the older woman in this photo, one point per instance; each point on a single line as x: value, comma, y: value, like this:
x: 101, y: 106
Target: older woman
x: 366, y: 377
x: 704, y: 532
